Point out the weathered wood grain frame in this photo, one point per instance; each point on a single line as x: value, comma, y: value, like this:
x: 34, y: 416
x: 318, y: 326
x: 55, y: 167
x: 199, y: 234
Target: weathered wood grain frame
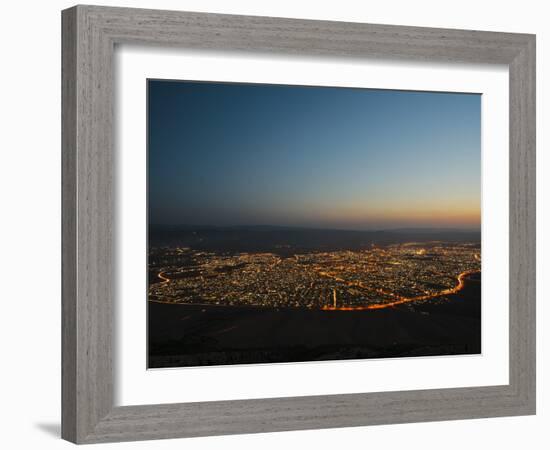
x: 89, y: 36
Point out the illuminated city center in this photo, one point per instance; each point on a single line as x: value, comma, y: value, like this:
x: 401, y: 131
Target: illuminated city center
x: 373, y: 278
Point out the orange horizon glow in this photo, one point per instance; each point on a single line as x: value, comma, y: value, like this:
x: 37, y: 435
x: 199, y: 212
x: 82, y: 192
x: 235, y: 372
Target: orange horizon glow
x: 463, y: 214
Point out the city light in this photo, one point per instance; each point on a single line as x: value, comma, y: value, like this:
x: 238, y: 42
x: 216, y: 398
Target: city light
x: 373, y: 278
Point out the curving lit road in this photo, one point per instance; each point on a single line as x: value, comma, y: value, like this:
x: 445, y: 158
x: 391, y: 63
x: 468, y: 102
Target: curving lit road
x: 399, y: 299
x: 163, y: 277
x: 403, y: 300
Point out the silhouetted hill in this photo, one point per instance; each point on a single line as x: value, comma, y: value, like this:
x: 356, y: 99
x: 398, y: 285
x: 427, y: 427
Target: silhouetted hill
x: 293, y: 239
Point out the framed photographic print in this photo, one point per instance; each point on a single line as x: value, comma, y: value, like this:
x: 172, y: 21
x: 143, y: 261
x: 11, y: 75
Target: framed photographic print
x: 278, y: 224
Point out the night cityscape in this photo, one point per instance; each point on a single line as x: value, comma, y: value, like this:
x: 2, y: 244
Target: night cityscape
x: 291, y: 224
x: 368, y: 279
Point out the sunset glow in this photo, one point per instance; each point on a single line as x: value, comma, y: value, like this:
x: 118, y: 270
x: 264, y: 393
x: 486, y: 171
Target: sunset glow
x: 242, y: 154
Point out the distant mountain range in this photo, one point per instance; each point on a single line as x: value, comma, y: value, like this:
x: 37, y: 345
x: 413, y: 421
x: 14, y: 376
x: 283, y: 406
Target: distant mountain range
x: 185, y: 227
x: 281, y: 239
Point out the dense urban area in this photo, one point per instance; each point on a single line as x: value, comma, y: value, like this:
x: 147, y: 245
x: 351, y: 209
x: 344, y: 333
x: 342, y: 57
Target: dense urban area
x: 372, y: 278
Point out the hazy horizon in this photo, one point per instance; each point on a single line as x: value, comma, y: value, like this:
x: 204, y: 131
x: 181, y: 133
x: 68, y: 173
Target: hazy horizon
x: 265, y: 225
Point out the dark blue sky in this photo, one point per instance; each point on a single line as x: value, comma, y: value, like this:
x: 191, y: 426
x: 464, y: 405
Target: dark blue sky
x: 245, y: 154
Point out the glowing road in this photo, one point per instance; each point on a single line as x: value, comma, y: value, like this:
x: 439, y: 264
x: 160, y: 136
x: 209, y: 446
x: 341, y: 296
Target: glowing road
x: 163, y: 277
x: 403, y: 300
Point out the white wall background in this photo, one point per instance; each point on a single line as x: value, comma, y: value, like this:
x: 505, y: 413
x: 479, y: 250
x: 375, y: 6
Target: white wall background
x: 30, y: 227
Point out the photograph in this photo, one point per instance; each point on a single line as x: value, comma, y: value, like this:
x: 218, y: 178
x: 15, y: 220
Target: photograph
x: 273, y: 225
x: 301, y: 223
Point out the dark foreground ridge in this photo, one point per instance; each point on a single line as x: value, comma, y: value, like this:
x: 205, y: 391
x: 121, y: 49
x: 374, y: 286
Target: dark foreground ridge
x: 194, y: 335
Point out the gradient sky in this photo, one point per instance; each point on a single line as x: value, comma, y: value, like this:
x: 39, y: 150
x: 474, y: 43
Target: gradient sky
x: 245, y: 154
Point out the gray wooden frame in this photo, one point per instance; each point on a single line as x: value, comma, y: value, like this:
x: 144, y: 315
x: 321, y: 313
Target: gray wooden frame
x: 89, y: 36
